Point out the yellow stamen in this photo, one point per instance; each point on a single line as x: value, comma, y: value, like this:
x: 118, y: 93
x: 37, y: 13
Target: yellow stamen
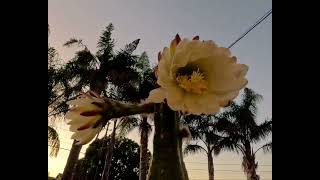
x: 194, y: 83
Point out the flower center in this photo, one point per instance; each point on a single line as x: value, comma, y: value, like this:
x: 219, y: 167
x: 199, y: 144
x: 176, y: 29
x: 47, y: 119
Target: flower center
x: 192, y: 80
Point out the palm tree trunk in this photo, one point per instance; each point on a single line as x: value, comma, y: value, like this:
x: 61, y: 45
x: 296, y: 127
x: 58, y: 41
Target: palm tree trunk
x: 107, y: 165
x: 71, y: 162
x: 167, y: 162
x: 105, y: 137
x: 107, y: 129
x: 143, y: 149
x: 210, y: 166
x: 252, y: 175
x: 250, y: 168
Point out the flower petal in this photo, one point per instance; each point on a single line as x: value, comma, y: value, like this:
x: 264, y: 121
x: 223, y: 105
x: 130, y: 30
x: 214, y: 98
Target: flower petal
x: 164, y: 68
x: 90, y: 123
x: 80, y: 101
x: 198, y: 104
x: 156, y: 96
x: 89, y: 107
x: 174, y: 44
x: 76, y: 118
x: 222, y: 74
x: 182, y: 53
x: 225, y: 99
x: 85, y: 136
x: 85, y: 101
x: 74, y: 127
x: 175, y: 97
x: 212, y: 108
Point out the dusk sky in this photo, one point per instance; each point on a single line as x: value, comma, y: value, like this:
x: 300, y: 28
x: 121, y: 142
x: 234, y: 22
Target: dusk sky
x: 156, y: 23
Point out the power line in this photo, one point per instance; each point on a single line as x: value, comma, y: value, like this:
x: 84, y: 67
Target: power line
x: 227, y: 170
x: 66, y: 149
x: 187, y: 162
x: 251, y: 28
x: 222, y: 170
x: 218, y: 170
x: 226, y: 179
x: 224, y: 164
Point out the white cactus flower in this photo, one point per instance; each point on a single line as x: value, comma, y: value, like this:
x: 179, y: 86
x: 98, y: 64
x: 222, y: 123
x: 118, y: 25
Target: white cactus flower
x: 197, y: 77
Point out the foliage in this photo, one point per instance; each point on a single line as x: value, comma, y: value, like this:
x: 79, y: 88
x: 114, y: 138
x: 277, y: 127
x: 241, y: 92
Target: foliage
x: 125, y: 161
x: 53, y: 96
x: 238, y: 124
x: 119, y: 75
x: 240, y: 130
x: 202, y: 133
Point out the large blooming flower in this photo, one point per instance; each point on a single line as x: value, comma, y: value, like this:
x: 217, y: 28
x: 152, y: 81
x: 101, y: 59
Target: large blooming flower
x: 197, y: 77
x: 84, y: 116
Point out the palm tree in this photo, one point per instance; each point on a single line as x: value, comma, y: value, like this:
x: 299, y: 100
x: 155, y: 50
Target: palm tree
x: 145, y: 130
x: 101, y: 72
x: 141, y: 122
x: 53, y: 141
x: 136, y: 93
x: 206, y: 135
x: 53, y: 96
x: 240, y: 131
x: 109, y: 154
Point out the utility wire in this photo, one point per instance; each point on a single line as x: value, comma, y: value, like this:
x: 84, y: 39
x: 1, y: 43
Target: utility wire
x: 251, y: 28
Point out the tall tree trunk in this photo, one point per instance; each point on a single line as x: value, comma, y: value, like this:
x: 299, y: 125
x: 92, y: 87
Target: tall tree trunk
x: 72, y: 159
x: 210, y: 166
x: 252, y: 175
x: 250, y: 168
x: 74, y: 154
x: 107, y: 164
x: 167, y: 162
x: 143, y: 149
x: 105, y: 137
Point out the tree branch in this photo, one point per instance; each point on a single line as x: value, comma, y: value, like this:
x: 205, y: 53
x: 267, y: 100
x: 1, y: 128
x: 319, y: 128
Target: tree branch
x: 116, y: 109
x: 55, y: 99
x: 267, y: 146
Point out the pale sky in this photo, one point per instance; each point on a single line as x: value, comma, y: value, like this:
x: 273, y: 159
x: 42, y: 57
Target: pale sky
x: 156, y: 23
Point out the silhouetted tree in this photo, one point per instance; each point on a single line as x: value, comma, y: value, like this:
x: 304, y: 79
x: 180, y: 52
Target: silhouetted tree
x: 125, y: 160
x: 205, y: 139
x: 240, y: 131
x: 107, y: 72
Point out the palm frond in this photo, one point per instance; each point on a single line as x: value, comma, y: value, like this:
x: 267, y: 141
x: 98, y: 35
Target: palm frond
x: 121, y: 70
x: 147, y: 83
x: 261, y: 131
x: 127, y: 124
x: 132, y: 46
x: 145, y: 126
x: 193, y: 148
x: 143, y: 62
x: 212, y: 137
x: 250, y: 100
x: 266, y: 148
x: 72, y: 42
x: 229, y: 144
x: 53, y: 141
x: 216, y: 150
x: 225, y: 126
x: 106, y: 43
